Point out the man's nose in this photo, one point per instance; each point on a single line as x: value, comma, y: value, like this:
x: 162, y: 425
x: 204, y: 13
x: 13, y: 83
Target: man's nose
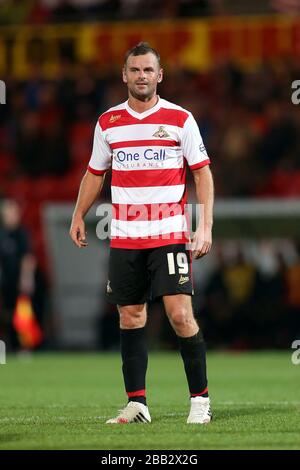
x: 142, y: 74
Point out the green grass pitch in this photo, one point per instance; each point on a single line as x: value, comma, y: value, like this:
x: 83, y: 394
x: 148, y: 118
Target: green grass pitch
x: 61, y: 401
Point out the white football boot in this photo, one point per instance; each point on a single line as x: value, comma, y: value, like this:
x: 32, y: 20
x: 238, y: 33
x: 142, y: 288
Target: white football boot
x: 134, y: 412
x: 200, y: 412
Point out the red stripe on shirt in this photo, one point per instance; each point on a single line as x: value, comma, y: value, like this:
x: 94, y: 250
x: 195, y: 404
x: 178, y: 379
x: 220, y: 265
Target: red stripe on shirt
x: 144, y: 143
x: 157, y: 211
x: 149, y: 212
x: 164, y: 116
x: 145, y: 178
x: 96, y: 172
x: 200, y: 164
x: 143, y: 243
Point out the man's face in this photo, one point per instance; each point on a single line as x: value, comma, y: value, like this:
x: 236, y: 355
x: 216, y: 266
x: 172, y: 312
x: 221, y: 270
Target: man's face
x: 141, y: 74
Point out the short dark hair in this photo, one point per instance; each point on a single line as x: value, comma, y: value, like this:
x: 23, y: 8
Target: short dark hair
x: 141, y: 48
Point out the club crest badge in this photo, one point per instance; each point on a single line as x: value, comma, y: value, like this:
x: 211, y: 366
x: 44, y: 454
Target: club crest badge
x: 161, y: 132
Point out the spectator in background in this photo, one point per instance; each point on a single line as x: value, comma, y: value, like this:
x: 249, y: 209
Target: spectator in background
x: 29, y: 144
x: 41, y: 144
x: 227, y: 295
x: 264, y: 313
x: 17, y: 268
x: 280, y: 137
x: 217, y: 310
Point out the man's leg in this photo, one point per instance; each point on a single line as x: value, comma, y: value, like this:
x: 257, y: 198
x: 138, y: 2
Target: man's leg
x: 192, y: 348
x: 135, y: 359
x: 180, y: 313
x: 134, y: 350
x: 127, y: 288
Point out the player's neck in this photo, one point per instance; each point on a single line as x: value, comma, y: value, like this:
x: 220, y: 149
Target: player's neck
x: 142, y: 106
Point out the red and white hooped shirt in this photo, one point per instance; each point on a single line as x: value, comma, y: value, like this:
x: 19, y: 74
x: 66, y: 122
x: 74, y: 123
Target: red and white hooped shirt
x: 148, y: 153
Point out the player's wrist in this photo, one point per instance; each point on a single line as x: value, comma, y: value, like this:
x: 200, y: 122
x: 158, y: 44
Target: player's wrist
x: 207, y: 222
x: 78, y: 216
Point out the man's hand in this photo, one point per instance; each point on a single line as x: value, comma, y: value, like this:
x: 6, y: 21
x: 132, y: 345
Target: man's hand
x: 78, y: 233
x: 201, y: 242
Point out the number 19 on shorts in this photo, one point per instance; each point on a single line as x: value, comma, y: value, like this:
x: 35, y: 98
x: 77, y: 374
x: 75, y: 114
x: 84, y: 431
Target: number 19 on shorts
x: 179, y: 260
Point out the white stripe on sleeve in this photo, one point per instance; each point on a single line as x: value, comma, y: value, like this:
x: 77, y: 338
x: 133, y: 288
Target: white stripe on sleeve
x: 101, y: 154
x: 192, y: 144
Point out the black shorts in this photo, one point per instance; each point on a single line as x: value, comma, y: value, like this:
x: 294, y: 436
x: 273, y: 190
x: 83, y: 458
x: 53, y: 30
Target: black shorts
x: 137, y: 276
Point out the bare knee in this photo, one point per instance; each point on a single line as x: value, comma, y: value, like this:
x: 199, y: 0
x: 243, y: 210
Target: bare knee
x: 178, y: 316
x: 132, y: 316
x: 183, y: 321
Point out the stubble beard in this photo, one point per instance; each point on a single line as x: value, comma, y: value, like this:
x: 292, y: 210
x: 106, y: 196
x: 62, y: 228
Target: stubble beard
x: 146, y: 96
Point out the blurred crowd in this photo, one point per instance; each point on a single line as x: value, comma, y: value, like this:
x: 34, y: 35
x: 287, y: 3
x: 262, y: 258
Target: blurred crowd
x: 252, y: 298
x: 61, y: 11
x: 247, y: 119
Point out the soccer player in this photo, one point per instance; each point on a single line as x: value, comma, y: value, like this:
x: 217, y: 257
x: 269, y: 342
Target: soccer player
x: 148, y: 142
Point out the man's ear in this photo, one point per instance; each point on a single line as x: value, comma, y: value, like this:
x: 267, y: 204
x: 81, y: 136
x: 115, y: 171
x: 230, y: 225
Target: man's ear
x: 160, y: 76
x: 124, y: 75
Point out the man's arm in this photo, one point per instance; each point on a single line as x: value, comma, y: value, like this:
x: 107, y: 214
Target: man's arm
x: 90, y: 187
x: 202, y: 239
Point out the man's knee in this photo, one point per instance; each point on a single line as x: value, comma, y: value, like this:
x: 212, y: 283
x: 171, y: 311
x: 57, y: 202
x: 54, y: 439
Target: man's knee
x: 132, y: 316
x: 180, y: 316
x: 182, y: 320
